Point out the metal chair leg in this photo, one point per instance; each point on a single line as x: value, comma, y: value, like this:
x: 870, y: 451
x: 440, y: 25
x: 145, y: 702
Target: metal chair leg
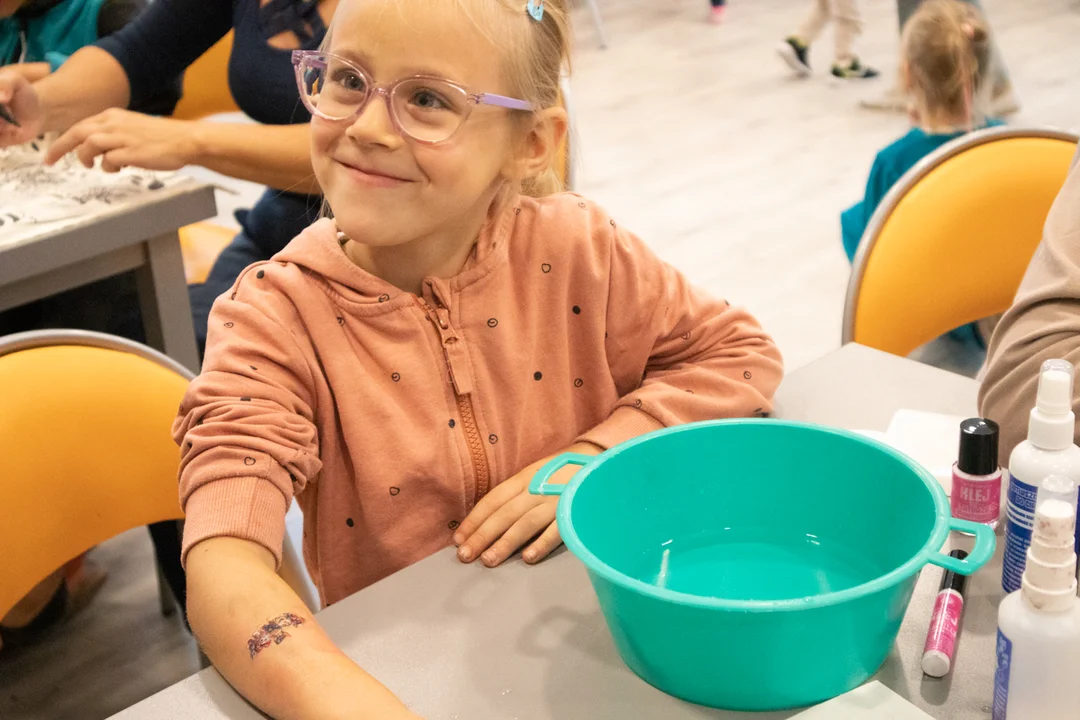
x: 598, y: 21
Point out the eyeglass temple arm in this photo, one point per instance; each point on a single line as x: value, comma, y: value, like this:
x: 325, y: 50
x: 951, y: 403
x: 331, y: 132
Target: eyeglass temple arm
x: 502, y: 101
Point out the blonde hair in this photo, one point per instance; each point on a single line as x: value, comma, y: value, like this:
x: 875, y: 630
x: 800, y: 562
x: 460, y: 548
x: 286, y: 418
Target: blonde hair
x: 535, y: 54
x: 946, y: 50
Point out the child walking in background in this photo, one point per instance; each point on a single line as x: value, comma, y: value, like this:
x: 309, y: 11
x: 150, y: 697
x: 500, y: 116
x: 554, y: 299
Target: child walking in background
x: 945, y: 57
x: 795, y: 50
x: 404, y: 368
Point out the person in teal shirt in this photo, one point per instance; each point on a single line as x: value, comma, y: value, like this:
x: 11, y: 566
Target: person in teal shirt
x: 945, y: 56
x: 39, y: 35
x: 890, y: 165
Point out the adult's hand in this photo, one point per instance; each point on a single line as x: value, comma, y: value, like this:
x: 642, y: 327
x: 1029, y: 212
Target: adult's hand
x: 123, y: 138
x: 20, y: 99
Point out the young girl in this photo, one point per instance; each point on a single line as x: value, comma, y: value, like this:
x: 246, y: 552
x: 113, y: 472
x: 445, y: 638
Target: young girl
x: 403, y: 368
x: 945, y: 57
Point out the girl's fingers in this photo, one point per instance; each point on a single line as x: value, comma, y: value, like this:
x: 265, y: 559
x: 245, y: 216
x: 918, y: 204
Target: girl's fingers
x: 544, y: 545
x: 488, y: 505
x: 521, y: 532
x: 493, y: 528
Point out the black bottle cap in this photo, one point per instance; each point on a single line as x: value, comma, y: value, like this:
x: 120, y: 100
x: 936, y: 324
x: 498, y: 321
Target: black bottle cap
x: 978, y: 446
x: 951, y: 580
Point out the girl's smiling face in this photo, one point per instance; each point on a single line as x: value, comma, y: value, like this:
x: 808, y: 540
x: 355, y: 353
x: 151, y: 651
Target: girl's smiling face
x: 384, y: 188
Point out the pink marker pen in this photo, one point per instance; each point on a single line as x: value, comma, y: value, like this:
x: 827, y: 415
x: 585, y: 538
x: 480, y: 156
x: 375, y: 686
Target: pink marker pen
x: 945, y: 622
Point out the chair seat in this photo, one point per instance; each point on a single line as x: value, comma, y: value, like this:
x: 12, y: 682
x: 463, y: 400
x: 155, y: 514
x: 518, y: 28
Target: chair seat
x: 200, y: 244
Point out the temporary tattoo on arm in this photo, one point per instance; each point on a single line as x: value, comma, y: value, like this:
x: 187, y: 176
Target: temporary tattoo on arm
x: 272, y: 632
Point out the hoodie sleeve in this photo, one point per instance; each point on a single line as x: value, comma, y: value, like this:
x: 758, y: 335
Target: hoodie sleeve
x: 679, y: 355
x: 246, y: 427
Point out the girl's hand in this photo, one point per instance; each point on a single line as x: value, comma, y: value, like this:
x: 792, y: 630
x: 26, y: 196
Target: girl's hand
x: 21, y: 100
x: 123, y: 138
x: 509, y: 517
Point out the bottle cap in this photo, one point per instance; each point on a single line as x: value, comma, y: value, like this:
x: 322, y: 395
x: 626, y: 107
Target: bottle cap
x: 1051, y: 423
x: 978, y: 446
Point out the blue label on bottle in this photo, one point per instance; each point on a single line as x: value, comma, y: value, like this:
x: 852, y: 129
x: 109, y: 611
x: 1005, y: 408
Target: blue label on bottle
x: 1019, y: 518
x: 1001, y: 675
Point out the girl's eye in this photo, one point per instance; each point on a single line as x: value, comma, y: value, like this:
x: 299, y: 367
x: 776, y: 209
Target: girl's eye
x: 350, y: 81
x: 429, y: 100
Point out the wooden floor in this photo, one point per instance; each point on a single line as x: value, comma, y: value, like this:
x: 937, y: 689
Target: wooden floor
x: 695, y: 137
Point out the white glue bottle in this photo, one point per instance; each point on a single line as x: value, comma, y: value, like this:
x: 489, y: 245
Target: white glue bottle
x: 1038, y: 640
x: 1049, y: 450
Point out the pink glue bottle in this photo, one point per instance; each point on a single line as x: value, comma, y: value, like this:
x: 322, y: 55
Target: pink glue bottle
x: 976, y: 477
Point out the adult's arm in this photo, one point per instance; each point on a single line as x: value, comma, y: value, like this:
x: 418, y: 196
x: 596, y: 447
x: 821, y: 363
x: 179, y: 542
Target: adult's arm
x: 1043, y: 323
x: 129, y: 67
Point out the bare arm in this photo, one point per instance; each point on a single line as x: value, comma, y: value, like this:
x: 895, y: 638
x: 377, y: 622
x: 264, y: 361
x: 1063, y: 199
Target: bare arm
x: 293, y: 671
x: 32, y: 71
x: 274, y: 155
x: 90, y: 81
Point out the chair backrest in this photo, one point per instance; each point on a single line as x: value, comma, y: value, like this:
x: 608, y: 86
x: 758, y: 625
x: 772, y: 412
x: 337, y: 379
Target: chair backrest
x: 950, y: 242
x: 86, y: 448
x: 206, y: 84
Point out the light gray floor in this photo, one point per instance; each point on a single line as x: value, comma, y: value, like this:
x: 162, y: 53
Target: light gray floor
x: 695, y: 137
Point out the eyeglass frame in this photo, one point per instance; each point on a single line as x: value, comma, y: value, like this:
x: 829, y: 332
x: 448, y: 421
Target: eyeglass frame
x: 386, y: 90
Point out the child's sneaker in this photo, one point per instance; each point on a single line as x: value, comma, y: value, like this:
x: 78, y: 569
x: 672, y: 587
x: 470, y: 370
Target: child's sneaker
x: 854, y: 69
x: 716, y: 15
x: 793, y: 53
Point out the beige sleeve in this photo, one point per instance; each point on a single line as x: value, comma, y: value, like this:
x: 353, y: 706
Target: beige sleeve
x: 1043, y: 323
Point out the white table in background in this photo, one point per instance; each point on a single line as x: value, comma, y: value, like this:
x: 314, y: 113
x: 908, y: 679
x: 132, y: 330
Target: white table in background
x: 139, y: 235
x: 468, y: 643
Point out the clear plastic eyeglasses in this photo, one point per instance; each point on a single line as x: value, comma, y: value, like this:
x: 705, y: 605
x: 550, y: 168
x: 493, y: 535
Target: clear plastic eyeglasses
x: 427, y: 109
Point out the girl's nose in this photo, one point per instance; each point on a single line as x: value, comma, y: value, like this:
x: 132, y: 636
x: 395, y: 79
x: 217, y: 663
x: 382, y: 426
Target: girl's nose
x: 374, y: 126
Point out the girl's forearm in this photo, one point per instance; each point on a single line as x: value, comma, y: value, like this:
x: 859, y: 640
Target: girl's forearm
x: 266, y: 643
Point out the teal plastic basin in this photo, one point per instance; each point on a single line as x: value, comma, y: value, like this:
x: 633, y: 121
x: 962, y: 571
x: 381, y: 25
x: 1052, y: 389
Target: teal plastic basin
x: 755, y: 564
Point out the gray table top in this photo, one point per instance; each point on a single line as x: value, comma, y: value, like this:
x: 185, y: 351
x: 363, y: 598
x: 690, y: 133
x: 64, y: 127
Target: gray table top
x: 80, y: 239
x: 529, y: 643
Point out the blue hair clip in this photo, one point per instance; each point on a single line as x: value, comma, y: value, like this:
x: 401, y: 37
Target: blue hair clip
x: 535, y: 8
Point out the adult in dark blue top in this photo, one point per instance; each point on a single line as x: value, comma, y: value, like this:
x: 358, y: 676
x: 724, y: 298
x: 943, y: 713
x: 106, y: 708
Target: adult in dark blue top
x: 84, y: 97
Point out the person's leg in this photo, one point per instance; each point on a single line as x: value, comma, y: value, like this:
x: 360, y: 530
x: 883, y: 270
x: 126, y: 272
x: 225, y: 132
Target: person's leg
x: 811, y: 27
x: 848, y: 28
x: 716, y: 14
x: 794, y: 49
x: 905, y: 9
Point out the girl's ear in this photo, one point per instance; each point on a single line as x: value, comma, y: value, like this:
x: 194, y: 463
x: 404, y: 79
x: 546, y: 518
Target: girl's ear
x: 543, y: 137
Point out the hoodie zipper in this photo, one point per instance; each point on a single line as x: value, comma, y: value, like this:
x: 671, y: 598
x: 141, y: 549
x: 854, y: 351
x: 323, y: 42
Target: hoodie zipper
x: 473, y: 440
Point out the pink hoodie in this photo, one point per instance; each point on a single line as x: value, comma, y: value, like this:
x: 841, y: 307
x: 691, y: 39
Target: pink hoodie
x: 389, y: 415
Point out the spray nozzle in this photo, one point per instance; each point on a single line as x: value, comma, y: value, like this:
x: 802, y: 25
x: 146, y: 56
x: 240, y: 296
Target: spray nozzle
x: 1055, y: 388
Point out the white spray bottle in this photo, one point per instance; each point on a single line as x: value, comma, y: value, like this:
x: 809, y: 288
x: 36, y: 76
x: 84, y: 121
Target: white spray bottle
x: 1049, y: 450
x: 1038, y: 643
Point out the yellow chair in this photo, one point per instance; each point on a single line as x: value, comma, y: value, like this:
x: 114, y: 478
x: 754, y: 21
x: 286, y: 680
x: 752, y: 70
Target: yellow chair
x: 206, y: 84
x: 87, y: 450
x: 950, y: 242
